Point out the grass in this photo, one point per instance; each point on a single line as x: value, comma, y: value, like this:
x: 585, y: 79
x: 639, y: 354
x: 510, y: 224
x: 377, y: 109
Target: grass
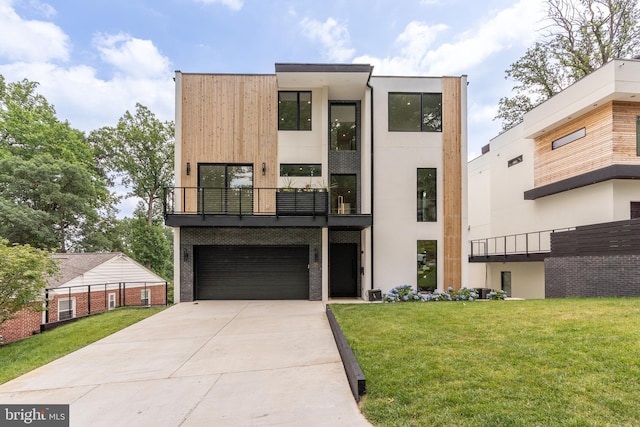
x: 561, y: 362
x: 20, y: 357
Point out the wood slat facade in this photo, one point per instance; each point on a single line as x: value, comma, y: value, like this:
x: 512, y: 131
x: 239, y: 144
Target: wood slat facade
x: 611, y: 238
x: 452, y: 180
x: 230, y: 119
x: 610, y: 139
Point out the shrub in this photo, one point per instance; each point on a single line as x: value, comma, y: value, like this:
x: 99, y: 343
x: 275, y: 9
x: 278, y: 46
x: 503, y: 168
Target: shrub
x: 405, y: 293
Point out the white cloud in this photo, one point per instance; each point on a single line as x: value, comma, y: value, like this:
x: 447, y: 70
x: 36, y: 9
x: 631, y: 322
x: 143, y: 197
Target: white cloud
x: 231, y: 4
x: 515, y: 25
x: 334, y: 37
x: 131, y: 56
x: 30, y: 40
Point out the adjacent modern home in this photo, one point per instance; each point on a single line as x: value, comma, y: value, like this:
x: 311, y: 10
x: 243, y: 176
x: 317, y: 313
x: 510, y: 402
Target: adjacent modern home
x: 554, y: 202
x: 88, y: 283
x: 319, y: 181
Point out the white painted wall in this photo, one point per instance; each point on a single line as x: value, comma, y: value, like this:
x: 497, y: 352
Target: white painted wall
x: 398, y: 155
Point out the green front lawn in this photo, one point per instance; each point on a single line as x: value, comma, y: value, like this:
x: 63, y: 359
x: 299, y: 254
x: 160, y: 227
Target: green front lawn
x: 561, y: 362
x: 23, y: 356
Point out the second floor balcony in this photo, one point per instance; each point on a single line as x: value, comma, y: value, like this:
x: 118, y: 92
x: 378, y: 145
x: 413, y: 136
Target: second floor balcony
x: 261, y: 207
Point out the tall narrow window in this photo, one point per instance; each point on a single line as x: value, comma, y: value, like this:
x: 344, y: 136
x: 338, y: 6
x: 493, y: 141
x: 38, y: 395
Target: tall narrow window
x: 427, y: 254
x: 638, y: 135
x: 343, y: 127
x: 415, y: 112
x: 427, y: 195
x: 294, y: 110
x: 505, y: 282
x: 344, y: 196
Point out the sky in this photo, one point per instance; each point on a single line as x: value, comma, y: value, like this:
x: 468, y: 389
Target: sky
x: 94, y: 60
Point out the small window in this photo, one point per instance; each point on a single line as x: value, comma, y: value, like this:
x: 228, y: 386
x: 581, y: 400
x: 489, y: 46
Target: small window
x: 514, y: 161
x: 573, y: 136
x: 426, y: 195
x: 427, y: 254
x: 415, y: 112
x: 66, y: 308
x: 294, y: 110
x: 145, y: 297
x: 290, y: 169
x: 112, y: 301
x: 635, y: 210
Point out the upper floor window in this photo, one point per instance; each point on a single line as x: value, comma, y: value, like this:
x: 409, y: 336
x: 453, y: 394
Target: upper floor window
x: 567, y: 139
x: 343, y: 127
x: 294, y: 110
x: 426, y: 197
x: 415, y: 112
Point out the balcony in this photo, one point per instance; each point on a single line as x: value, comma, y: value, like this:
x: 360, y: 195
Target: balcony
x: 258, y: 207
x: 524, y: 247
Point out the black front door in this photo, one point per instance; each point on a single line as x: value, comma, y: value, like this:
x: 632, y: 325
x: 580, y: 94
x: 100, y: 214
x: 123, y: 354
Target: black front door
x: 343, y: 268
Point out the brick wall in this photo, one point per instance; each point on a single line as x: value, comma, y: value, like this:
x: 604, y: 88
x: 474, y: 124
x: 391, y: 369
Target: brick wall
x: 24, y: 324
x: 129, y: 296
x: 193, y: 236
x: 592, y: 276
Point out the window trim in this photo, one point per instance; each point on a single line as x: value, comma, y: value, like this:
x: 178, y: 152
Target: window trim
x: 145, y: 292
x: 311, y: 166
x: 435, y: 195
x: 73, y: 307
x: 637, y: 135
x: 422, y: 111
x: 112, y: 299
x: 421, y: 264
x: 297, y: 127
x: 569, y: 138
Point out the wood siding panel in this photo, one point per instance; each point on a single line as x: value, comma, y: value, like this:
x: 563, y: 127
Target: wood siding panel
x: 590, y: 153
x: 452, y: 181
x: 230, y: 119
x: 624, y: 133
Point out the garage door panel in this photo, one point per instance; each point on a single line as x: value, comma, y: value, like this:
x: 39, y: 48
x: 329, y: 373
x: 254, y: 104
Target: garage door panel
x: 252, y: 272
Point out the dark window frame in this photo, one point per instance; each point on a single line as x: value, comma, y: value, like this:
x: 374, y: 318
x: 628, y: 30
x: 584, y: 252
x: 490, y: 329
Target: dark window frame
x: 302, y: 168
x: 299, y: 125
x: 425, y: 211
x: 427, y: 265
x: 569, y: 138
x: 424, y: 125
x: 637, y: 135
x: 515, y: 161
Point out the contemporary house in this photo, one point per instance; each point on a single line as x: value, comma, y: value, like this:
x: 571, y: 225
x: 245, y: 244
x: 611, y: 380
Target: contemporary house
x: 319, y: 181
x: 89, y: 283
x: 554, y: 201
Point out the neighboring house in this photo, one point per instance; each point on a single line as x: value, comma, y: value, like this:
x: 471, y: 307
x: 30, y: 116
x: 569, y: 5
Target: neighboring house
x: 573, y: 163
x: 316, y: 182
x: 89, y: 283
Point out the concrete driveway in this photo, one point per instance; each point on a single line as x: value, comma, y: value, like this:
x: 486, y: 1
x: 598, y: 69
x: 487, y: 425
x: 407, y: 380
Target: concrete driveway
x: 210, y: 363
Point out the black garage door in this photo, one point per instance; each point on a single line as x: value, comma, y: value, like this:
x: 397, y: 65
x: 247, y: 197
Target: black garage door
x: 252, y: 272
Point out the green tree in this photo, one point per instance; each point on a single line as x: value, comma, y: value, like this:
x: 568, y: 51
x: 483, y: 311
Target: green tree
x: 46, y: 202
x: 580, y: 37
x: 52, y: 190
x: 24, y: 271
x: 140, y: 150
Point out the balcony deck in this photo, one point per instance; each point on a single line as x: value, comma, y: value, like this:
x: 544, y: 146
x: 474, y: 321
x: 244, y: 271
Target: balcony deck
x: 257, y: 207
x: 525, y: 247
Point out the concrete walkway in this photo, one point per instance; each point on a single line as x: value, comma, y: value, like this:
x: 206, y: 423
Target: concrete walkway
x: 210, y: 363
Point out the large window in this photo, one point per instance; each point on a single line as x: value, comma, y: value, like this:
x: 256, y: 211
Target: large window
x: 426, y: 196
x: 343, y: 127
x: 294, y: 110
x: 225, y: 189
x: 290, y: 169
x: 427, y: 265
x: 415, y: 112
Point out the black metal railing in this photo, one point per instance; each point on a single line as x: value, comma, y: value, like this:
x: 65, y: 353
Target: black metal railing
x: 245, y: 201
x: 535, y: 242
x: 67, y: 303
